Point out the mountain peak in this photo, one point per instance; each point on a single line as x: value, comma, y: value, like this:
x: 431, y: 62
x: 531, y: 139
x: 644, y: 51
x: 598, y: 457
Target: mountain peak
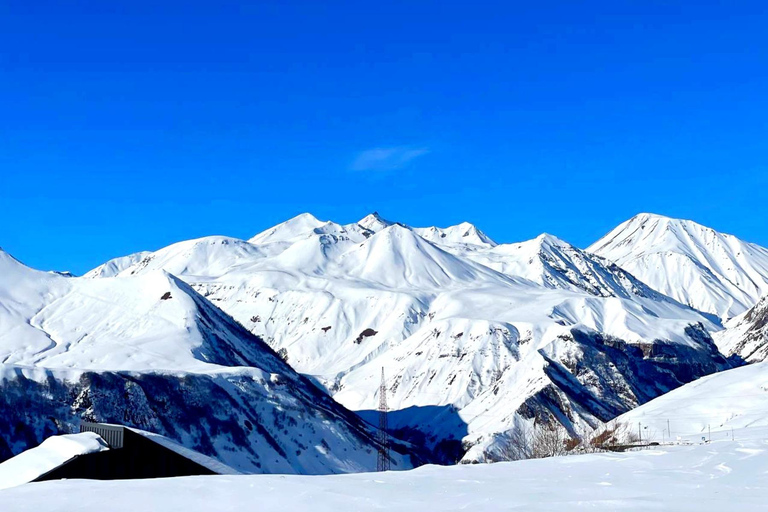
x: 650, y: 216
x: 297, y: 226
x: 694, y: 264
x: 547, y: 239
x: 374, y: 222
x: 465, y: 233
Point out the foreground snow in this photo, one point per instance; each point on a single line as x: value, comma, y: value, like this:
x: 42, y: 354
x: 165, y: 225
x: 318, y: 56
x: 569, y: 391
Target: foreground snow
x: 714, y: 477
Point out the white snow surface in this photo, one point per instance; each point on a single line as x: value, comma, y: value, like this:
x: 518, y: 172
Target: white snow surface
x: 112, y: 323
x: 700, y: 478
x: 717, y: 403
x: 710, y: 271
x: 50, y: 454
x: 457, y: 321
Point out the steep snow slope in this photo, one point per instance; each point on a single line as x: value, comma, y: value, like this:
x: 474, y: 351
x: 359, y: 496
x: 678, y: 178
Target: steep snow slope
x: 733, y: 399
x: 704, y: 478
x: 554, y: 263
x: 117, y: 265
x: 710, y: 271
x: 746, y: 336
x: 396, y: 257
x: 153, y: 321
x: 550, y: 333
x: 462, y: 235
x: 150, y: 352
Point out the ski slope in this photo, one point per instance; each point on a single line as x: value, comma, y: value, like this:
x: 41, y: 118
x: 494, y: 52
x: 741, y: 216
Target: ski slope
x: 700, y: 478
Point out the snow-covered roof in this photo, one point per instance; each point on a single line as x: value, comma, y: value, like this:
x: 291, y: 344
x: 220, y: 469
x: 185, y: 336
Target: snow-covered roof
x: 52, y: 453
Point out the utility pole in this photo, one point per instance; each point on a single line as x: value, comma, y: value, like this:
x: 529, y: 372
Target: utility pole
x: 732, y: 438
x: 639, y: 432
x: 382, y: 462
x: 669, y: 432
x: 709, y: 434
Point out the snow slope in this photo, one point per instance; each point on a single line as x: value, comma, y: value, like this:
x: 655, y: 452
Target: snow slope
x: 150, y: 352
x: 554, y: 263
x: 703, y: 478
x: 710, y: 271
x: 475, y: 337
x: 733, y: 399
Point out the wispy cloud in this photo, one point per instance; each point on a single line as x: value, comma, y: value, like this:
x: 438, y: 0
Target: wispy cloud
x: 386, y: 159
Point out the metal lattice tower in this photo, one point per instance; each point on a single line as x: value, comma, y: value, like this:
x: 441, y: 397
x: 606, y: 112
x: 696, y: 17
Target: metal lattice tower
x: 382, y: 463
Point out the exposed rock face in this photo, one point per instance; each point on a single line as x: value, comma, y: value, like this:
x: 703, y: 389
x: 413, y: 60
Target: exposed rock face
x: 252, y: 421
x: 746, y: 336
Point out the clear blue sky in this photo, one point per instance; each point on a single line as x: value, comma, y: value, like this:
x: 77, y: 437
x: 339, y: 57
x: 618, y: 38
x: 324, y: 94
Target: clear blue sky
x: 131, y: 125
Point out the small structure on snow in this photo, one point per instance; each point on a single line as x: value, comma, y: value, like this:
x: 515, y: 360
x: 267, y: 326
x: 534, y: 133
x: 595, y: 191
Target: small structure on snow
x: 107, y: 452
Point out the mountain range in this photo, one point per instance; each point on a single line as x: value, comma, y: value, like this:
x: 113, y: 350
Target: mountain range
x: 477, y: 338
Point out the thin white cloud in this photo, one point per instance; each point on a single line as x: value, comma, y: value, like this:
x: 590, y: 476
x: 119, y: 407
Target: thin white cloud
x: 386, y: 159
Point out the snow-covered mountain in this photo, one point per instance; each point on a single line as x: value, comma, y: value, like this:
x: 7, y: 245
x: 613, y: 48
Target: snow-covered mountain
x: 746, y: 336
x: 475, y: 337
x: 554, y: 263
x: 710, y: 271
x: 150, y: 352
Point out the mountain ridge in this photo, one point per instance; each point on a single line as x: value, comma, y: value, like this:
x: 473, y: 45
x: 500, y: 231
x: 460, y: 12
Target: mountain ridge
x: 710, y: 271
x: 543, y: 328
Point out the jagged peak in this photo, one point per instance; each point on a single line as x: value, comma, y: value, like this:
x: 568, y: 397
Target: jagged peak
x: 374, y: 222
x: 465, y: 232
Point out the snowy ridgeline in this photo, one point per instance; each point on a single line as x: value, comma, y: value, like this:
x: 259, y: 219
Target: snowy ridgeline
x: 702, y: 478
x: 710, y: 271
x: 476, y: 338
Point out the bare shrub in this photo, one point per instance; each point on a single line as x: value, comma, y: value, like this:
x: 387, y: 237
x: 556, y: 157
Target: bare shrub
x: 552, y: 440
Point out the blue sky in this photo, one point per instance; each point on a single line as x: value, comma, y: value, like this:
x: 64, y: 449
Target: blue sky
x: 127, y: 126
